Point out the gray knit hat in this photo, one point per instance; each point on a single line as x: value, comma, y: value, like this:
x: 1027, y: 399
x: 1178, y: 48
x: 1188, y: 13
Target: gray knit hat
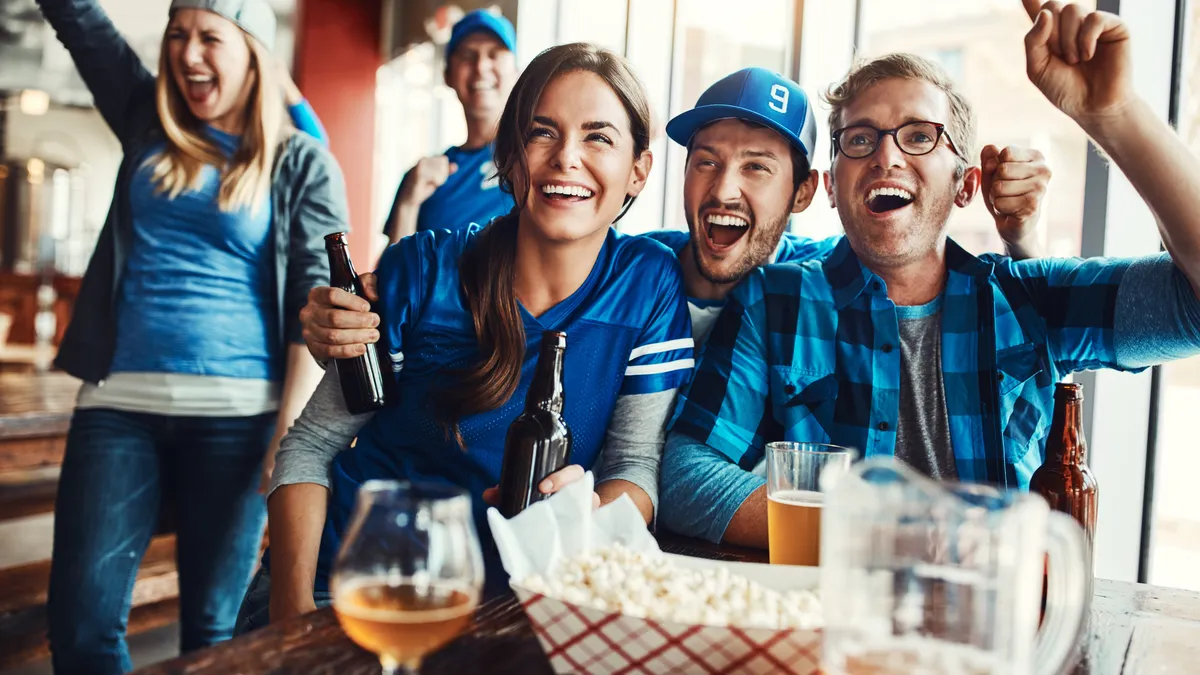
x: 253, y: 16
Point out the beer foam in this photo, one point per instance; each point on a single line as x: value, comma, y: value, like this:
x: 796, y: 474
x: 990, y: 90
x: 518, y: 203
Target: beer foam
x: 617, y: 579
x: 798, y: 497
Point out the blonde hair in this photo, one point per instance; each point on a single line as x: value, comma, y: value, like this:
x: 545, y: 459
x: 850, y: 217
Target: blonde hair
x: 246, y: 176
x: 864, y: 74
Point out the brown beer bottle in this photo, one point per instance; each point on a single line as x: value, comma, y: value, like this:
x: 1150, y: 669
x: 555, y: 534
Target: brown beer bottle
x: 1064, y: 479
x: 363, y: 383
x: 538, y: 441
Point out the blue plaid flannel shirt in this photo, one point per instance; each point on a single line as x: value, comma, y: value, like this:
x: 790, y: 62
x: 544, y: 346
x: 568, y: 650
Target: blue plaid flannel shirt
x: 810, y: 352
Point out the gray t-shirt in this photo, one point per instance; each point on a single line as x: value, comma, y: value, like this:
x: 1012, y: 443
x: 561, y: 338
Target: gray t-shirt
x: 923, y: 432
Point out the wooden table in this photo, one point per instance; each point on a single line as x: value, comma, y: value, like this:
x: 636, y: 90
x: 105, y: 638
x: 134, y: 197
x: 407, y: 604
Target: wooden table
x: 35, y: 412
x: 1135, y: 630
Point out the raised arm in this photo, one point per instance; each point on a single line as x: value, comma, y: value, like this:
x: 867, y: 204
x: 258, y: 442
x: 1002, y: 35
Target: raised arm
x: 304, y: 118
x: 1014, y: 186
x: 1082, y: 63
x: 121, y: 85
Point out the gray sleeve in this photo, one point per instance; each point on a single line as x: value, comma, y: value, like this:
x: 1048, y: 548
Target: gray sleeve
x: 319, y: 208
x: 702, y: 488
x: 633, y: 445
x: 324, y: 428
x: 1157, y: 315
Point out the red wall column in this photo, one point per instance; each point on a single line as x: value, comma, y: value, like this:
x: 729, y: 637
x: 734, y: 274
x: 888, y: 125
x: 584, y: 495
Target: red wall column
x: 337, y: 56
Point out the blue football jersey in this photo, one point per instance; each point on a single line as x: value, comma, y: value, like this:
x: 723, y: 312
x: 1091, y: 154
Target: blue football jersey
x: 627, y: 333
x: 471, y: 194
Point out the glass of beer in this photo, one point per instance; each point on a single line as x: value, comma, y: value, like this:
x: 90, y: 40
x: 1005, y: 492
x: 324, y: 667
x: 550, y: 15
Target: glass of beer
x: 794, y: 498
x: 409, y: 573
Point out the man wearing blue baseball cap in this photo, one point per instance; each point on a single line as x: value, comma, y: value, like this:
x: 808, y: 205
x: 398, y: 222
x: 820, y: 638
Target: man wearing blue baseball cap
x: 458, y: 187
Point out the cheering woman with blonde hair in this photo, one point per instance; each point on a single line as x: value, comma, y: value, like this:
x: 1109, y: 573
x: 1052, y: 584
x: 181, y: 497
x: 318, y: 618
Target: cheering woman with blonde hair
x: 185, y: 331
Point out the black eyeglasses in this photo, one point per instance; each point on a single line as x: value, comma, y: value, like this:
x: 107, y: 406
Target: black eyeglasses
x: 914, y: 138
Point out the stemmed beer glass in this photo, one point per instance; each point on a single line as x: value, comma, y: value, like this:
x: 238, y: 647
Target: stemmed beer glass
x: 408, y: 576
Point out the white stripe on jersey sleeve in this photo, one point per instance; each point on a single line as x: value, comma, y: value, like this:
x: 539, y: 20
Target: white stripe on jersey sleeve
x: 659, y: 347
x: 656, y: 368
x: 397, y: 361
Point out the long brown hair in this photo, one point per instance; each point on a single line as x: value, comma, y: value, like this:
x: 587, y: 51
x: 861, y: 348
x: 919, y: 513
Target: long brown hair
x: 245, y: 177
x: 487, y: 268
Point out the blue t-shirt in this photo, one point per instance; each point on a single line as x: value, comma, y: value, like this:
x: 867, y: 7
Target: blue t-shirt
x: 196, y: 294
x: 627, y: 333
x: 471, y: 194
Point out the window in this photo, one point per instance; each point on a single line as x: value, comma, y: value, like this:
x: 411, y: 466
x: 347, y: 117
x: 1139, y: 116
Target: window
x: 713, y: 38
x: 1175, y: 524
x: 416, y: 115
x: 981, y: 45
x: 826, y: 52
x: 649, y: 50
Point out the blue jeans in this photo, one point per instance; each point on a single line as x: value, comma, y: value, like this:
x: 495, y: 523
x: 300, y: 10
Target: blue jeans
x: 118, y: 466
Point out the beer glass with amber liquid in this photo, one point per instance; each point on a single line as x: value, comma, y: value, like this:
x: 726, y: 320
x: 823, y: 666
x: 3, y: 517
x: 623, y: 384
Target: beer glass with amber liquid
x: 408, y: 576
x: 794, y: 499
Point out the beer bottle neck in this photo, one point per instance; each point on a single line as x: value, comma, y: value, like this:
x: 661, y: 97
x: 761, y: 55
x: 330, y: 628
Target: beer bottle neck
x: 546, y: 390
x: 341, y: 270
x: 1066, y: 444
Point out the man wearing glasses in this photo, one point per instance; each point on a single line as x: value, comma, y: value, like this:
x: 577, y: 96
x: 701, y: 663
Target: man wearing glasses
x: 900, y: 342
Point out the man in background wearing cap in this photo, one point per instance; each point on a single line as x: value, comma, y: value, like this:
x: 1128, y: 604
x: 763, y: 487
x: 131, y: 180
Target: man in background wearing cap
x: 900, y: 343
x: 459, y: 187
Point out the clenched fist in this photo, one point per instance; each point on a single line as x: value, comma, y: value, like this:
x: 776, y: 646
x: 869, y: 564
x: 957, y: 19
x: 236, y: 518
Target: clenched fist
x: 1014, y: 185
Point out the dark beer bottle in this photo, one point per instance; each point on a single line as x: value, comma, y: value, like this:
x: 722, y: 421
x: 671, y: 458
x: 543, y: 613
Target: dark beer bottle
x: 363, y: 383
x: 538, y: 441
x: 1064, y: 479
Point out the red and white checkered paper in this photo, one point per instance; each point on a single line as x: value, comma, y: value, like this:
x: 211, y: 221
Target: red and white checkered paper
x: 580, y: 639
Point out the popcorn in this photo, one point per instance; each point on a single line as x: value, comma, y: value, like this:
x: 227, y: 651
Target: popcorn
x: 645, y: 584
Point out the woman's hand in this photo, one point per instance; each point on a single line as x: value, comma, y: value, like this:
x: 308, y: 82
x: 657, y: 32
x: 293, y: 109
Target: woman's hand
x: 551, y: 484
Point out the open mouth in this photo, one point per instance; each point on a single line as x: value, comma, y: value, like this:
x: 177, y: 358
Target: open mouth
x: 566, y: 194
x: 726, y: 230
x: 885, y: 200
x: 200, y: 87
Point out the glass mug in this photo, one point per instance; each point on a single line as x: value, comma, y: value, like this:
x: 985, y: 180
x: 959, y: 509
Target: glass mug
x: 794, y: 498
x: 408, y: 576
x: 919, y: 576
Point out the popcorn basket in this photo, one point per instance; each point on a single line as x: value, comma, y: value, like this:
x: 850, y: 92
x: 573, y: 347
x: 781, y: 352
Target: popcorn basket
x: 579, y: 639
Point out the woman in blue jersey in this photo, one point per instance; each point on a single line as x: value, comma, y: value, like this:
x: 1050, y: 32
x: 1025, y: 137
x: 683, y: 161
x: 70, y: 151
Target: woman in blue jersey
x: 185, y: 331
x: 462, y: 314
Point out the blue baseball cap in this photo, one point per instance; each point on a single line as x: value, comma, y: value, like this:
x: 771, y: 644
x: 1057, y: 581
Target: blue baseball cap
x: 482, y: 21
x: 755, y: 95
